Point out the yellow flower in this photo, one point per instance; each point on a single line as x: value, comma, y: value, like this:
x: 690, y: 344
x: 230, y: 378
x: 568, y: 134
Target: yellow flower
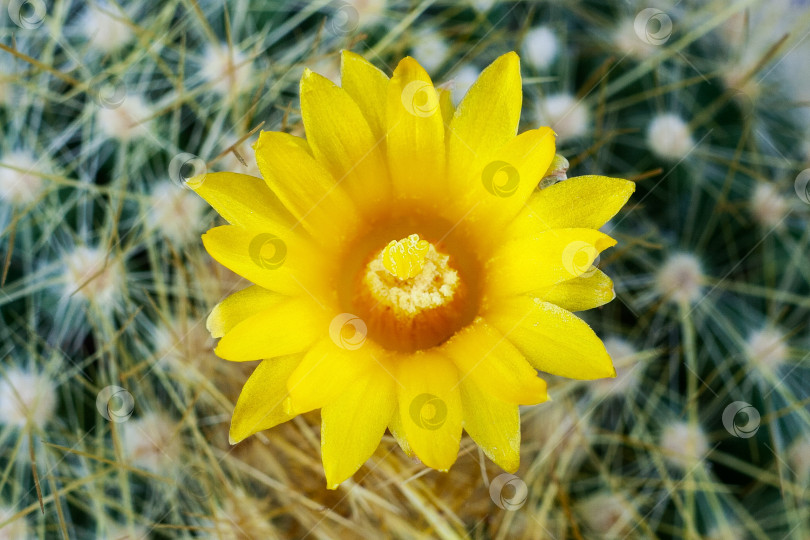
x: 409, y: 275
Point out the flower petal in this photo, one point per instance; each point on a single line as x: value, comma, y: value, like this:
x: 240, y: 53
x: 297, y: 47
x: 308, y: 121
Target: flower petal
x: 488, y: 359
x: 278, y: 262
x: 505, y: 183
x: 239, y: 306
x: 447, y: 107
x: 578, y: 294
x: 304, y: 186
x: 342, y: 141
x: 353, y: 425
x: 530, y: 263
x: 493, y: 424
x: 325, y: 373
x: 485, y: 120
x: 398, y: 431
x: 368, y: 87
x: 259, y: 404
x: 554, y: 340
x: 287, y: 328
x: 242, y: 200
x: 581, y: 201
x: 430, y: 407
x: 415, y: 134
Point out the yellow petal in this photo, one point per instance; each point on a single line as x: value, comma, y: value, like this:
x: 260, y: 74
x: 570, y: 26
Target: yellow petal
x: 530, y: 263
x: 582, y: 201
x: 326, y: 371
x: 368, y: 87
x: 506, y: 182
x: 578, y: 294
x: 304, y: 186
x: 242, y: 200
x: 279, y: 262
x: 493, y: 424
x: 238, y: 307
x: 259, y: 405
x: 287, y: 328
x: 430, y: 407
x: 342, y: 141
x: 353, y: 425
x: 554, y: 340
x: 398, y: 431
x: 415, y: 136
x: 485, y: 120
x: 488, y: 359
x: 446, y: 105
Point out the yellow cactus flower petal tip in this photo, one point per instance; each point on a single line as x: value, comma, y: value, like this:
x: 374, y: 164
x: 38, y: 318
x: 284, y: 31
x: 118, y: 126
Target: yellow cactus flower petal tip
x: 415, y: 265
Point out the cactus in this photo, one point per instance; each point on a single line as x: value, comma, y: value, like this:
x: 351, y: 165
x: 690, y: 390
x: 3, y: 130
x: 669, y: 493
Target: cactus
x: 114, y: 409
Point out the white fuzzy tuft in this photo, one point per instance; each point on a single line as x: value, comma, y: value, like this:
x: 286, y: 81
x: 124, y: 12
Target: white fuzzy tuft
x: 26, y: 396
x: 91, y: 275
x: 150, y: 442
x: 684, y: 444
x: 482, y: 6
x: 799, y: 459
x: 17, y: 529
x: 681, y: 278
x: 369, y: 12
x: 767, y: 348
x: 430, y: 50
x: 745, y: 89
x: 229, y: 70
x: 20, y: 186
x: 566, y: 115
x: 540, y: 47
x: 768, y: 206
x: 126, y: 121
x: 607, y: 514
x: 175, y: 212
x: 105, y: 29
x: 626, y: 40
x: 561, y: 432
x: 185, y: 347
x: 669, y: 137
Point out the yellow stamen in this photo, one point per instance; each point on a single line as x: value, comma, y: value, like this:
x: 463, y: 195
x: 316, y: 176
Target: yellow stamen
x: 405, y: 258
x: 409, y: 295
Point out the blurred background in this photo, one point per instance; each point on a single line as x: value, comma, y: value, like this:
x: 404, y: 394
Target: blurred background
x: 114, y: 412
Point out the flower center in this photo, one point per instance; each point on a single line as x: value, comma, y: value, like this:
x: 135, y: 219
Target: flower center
x: 410, y: 295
